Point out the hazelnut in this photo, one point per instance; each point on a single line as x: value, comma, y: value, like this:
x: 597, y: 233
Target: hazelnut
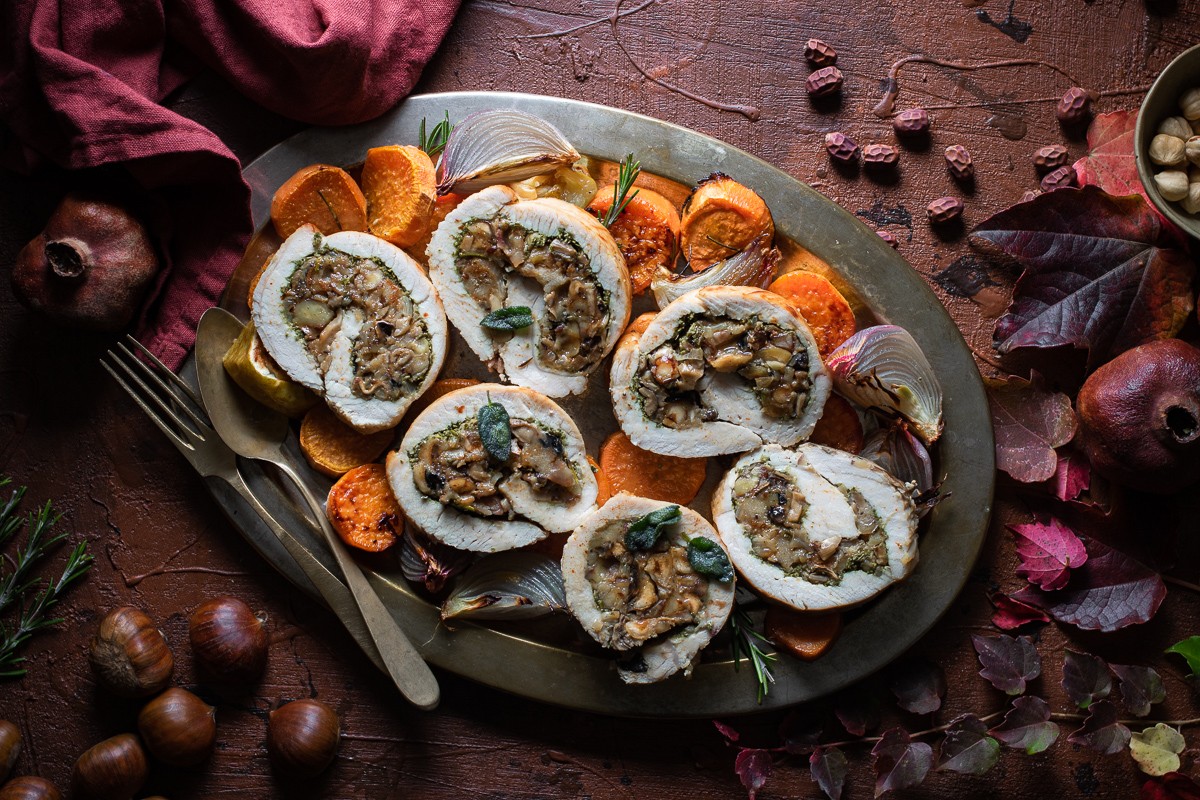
x: 1172, y: 184
x: 944, y: 209
x: 880, y: 155
x: 1195, y: 125
x: 1175, y: 126
x: 1060, y: 178
x: 825, y: 81
x: 1029, y: 195
x: 958, y: 161
x: 1191, y: 203
x: 1191, y: 149
x: 889, y: 237
x: 1166, y: 150
x: 1075, y: 106
x: 911, y: 122
x: 1190, y: 104
x: 841, y: 147
x: 1050, y: 157
x: 819, y: 54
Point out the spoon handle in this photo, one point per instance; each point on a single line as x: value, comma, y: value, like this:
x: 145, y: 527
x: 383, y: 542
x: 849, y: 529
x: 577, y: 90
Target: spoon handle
x: 409, y: 671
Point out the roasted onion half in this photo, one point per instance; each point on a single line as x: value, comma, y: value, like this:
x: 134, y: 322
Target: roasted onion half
x: 815, y: 528
x: 657, y: 594
x: 494, y: 478
x: 723, y: 369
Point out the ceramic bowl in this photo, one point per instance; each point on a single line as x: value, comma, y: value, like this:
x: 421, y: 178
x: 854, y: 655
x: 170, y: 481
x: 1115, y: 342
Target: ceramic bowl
x: 1162, y: 101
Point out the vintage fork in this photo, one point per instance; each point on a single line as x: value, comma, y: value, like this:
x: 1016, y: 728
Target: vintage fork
x: 172, y: 405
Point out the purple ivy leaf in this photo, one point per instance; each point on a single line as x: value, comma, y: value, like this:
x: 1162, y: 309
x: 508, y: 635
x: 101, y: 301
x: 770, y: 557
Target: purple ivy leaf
x: 1012, y: 614
x: 1141, y: 687
x: 858, y: 712
x: 1049, y: 551
x: 726, y: 731
x: 1008, y: 663
x: 1172, y: 786
x: 1072, y: 476
x: 753, y: 767
x: 967, y: 747
x: 1101, y: 731
x: 1085, y: 678
x: 899, y: 761
x: 828, y: 767
x: 1027, y: 726
x: 1109, y: 592
x: 801, y: 731
x: 919, y: 686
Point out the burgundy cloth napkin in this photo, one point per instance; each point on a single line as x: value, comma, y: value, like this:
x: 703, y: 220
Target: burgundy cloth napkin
x: 81, y: 82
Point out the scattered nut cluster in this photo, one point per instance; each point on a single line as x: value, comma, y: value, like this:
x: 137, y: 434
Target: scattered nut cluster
x: 1175, y: 153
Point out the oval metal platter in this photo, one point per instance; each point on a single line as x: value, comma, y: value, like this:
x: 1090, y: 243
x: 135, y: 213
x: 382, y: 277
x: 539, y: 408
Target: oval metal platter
x: 554, y: 663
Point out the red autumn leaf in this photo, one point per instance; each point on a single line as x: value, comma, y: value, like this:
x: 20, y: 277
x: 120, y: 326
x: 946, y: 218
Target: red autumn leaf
x: 753, y: 767
x: 1012, y: 614
x: 1096, y: 274
x: 1029, y: 422
x: 919, y: 686
x: 899, y: 761
x: 1048, y: 551
x: 1085, y: 678
x: 1072, y: 476
x: 1109, y: 592
x: 1141, y: 687
x: 1008, y: 663
x: 967, y: 747
x: 726, y: 731
x: 828, y: 768
x: 1101, y: 731
x: 1109, y: 163
x: 1027, y: 726
x: 1172, y: 786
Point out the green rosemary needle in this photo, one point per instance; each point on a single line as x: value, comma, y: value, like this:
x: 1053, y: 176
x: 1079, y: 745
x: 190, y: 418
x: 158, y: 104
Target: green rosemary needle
x: 627, y: 173
x: 746, y: 643
x: 434, y: 142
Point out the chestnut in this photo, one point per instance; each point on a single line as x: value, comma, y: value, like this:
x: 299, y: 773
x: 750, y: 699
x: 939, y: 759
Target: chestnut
x: 112, y: 770
x: 302, y: 737
x: 29, y: 787
x: 178, y: 728
x: 229, y: 641
x: 10, y: 747
x: 130, y: 655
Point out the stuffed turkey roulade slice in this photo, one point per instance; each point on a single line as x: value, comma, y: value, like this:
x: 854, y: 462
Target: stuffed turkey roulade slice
x: 491, y: 468
x: 723, y: 369
x: 815, y: 528
x: 353, y: 318
x: 537, y: 288
x: 649, y: 578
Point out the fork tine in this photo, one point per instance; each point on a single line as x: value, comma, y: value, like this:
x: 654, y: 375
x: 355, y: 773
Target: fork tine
x: 197, y: 430
x: 162, y: 368
x: 162, y: 424
x: 154, y: 375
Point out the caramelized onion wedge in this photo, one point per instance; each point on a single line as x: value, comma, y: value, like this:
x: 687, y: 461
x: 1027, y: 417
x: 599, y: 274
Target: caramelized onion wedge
x: 515, y: 585
x: 753, y: 266
x: 591, y: 594
x: 500, y: 146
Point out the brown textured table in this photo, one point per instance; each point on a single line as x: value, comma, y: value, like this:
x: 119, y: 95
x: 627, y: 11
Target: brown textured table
x: 161, y: 543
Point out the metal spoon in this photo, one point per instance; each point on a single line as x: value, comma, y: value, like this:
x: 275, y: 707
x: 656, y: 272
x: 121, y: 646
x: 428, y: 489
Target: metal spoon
x: 254, y: 431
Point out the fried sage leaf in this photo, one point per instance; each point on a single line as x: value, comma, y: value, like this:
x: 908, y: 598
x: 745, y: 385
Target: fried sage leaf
x: 707, y: 558
x: 495, y: 431
x: 644, y: 532
x: 509, y: 318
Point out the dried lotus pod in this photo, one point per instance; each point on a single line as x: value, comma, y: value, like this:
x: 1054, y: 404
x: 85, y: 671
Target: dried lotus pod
x: 819, y: 54
x: 841, y: 147
x: 1061, y: 178
x: 958, y: 161
x: 1075, y: 106
x: 880, y: 155
x: 944, y: 209
x: 891, y: 239
x: 1167, y: 150
x: 824, y: 82
x: 1050, y: 157
x: 911, y: 122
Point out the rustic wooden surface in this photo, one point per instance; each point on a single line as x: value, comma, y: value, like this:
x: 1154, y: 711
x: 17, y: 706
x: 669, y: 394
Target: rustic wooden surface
x: 161, y: 543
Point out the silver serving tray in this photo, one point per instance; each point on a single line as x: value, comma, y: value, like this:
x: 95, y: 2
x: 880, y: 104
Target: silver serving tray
x: 551, y: 662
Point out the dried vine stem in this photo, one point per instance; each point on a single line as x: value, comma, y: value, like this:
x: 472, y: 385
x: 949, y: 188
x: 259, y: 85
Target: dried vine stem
x: 1182, y: 583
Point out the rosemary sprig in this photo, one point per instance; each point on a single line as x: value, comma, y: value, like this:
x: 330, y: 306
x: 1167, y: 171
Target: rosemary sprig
x: 746, y: 642
x: 14, y: 585
x: 627, y: 173
x: 434, y: 142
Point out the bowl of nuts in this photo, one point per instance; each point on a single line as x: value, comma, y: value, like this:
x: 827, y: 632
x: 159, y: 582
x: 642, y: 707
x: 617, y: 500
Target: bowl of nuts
x: 1167, y: 142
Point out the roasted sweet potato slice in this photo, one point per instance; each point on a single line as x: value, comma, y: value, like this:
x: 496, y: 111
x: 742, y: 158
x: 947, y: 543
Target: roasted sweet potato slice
x: 400, y: 185
x: 363, y: 510
x: 442, y: 206
x: 823, y: 307
x: 805, y: 635
x: 333, y: 448
x: 719, y: 220
x: 839, y: 426
x: 320, y: 195
x: 646, y: 231
x: 667, y: 478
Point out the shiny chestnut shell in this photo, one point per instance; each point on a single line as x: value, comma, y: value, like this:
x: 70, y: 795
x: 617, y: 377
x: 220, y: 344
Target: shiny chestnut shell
x: 114, y: 769
x: 302, y: 737
x: 130, y: 655
x: 10, y: 747
x: 29, y: 787
x: 178, y: 728
x: 229, y: 641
